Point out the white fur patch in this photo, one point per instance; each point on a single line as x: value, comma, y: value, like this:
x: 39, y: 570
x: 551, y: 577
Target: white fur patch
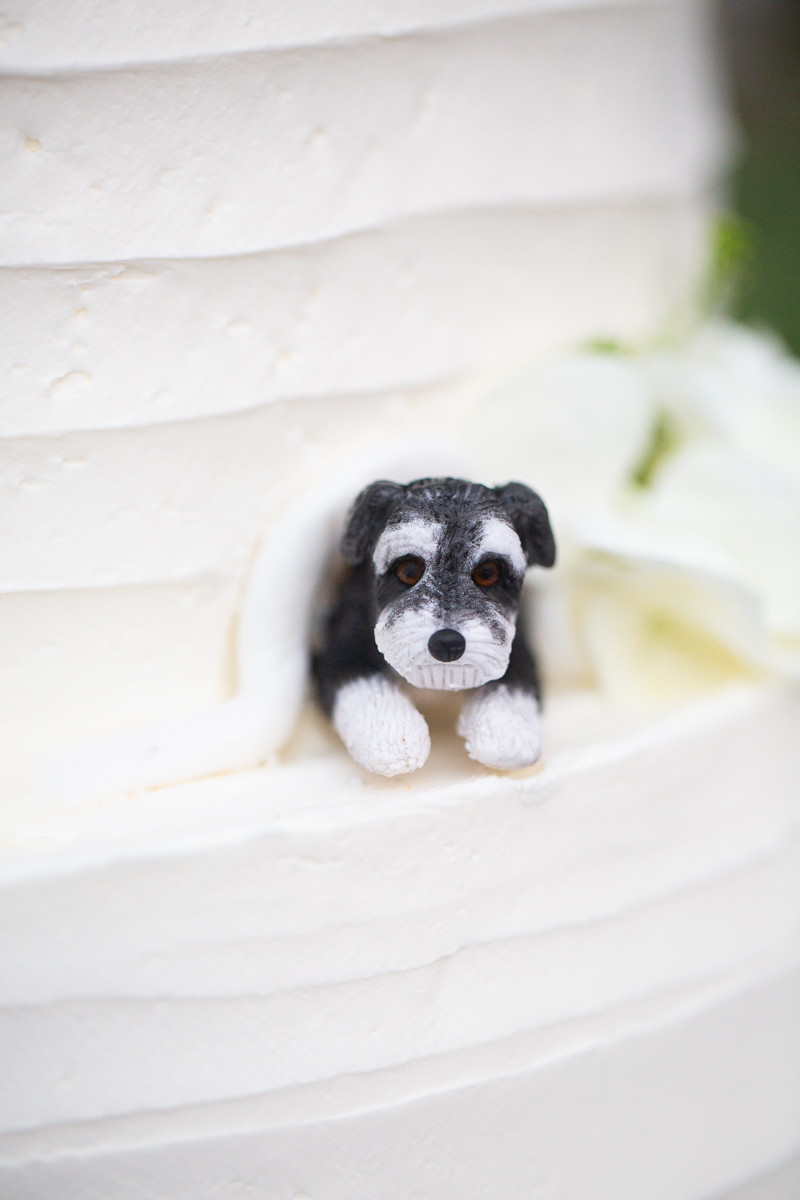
x: 404, y: 645
x: 417, y: 537
x: 501, y: 728
x: 380, y: 726
x: 498, y: 537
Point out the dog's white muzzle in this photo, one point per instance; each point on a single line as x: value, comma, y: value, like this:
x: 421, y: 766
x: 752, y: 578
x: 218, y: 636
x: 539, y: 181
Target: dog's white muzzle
x: 403, y: 642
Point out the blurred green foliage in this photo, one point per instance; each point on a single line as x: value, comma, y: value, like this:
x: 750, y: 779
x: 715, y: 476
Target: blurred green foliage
x: 664, y: 438
x: 763, y: 39
x: 730, y: 259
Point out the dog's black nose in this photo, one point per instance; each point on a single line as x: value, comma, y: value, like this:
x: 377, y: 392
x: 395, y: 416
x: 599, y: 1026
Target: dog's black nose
x: 447, y: 645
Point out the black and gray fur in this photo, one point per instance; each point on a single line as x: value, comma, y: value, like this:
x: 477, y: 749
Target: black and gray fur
x: 444, y: 631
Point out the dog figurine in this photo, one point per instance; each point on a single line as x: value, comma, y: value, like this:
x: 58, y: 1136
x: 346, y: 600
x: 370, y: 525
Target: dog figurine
x: 431, y: 597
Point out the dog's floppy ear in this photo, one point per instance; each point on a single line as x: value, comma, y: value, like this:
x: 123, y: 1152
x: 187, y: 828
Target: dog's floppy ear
x: 367, y: 518
x: 529, y: 518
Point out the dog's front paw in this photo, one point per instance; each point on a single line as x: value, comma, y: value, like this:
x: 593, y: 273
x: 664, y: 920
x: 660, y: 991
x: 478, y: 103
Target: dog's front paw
x: 380, y: 726
x: 501, y: 728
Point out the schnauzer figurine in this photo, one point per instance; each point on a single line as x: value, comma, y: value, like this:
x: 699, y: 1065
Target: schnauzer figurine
x: 431, y: 597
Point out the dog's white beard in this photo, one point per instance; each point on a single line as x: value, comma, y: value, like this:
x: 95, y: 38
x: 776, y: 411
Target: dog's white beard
x: 404, y: 645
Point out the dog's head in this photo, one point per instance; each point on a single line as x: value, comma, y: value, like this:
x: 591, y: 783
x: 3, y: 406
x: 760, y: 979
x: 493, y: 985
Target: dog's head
x: 448, y: 560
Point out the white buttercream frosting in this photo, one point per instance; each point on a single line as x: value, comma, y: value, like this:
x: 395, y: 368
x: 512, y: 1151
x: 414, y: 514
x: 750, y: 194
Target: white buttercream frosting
x: 650, y: 612
x: 241, y: 153
x: 142, y: 466
x: 300, y: 928
x: 405, y: 305
x: 324, y: 243
x: 88, y: 33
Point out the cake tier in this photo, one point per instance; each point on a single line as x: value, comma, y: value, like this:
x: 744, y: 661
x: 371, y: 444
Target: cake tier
x: 247, y: 152
x: 307, y: 241
x: 426, y: 299
x: 89, y: 33
x: 310, y: 981
x: 364, y: 229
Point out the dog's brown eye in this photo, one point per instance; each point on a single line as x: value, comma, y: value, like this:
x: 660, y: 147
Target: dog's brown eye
x: 486, y: 574
x: 410, y: 570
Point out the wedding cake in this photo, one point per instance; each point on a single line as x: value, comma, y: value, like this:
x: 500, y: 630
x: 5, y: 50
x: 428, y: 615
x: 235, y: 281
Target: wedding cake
x: 253, y: 257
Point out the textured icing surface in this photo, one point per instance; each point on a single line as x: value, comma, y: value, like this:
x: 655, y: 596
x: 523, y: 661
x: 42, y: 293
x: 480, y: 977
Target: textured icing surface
x: 258, y: 919
x: 139, y: 455
x: 659, y: 595
x: 428, y: 298
x: 134, y: 505
x: 78, y: 663
x: 86, y: 33
x: 243, y: 153
x: 686, y: 1085
x: 778, y: 1183
x: 309, y: 266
